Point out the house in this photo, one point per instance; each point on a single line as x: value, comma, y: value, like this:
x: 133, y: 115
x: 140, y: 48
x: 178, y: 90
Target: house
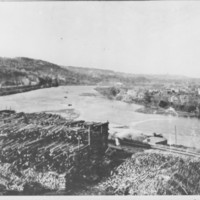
x: 174, y: 99
x: 175, y: 90
x: 33, y: 83
x: 25, y: 81
x: 171, y: 111
x: 140, y: 95
x: 183, y: 99
x: 198, y: 91
x: 132, y: 93
x: 164, y: 98
x: 156, y: 98
x: 197, y: 110
x: 127, y: 98
x: 119, y: 84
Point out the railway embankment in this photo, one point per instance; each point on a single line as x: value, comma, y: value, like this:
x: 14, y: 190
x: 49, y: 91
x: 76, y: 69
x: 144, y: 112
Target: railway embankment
x: 14, y: 90
x: 151, y: 172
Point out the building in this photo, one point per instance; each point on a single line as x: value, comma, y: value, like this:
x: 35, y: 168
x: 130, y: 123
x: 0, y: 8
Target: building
x: 132, y: 93
x: 140, y: 95
x: 174, y: 99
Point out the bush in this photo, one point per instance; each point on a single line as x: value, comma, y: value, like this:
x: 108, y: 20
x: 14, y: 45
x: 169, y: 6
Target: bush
x: 163, y: 104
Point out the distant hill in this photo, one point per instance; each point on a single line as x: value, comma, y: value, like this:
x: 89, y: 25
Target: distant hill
x: 26, y: 71
x: 102, y: 76
x: 23, y: 71
x: 167, y: 76
x: 129, y: 77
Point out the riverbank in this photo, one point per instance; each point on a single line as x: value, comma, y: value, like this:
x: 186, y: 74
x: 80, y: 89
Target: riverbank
x: 162, y: 111
x: 21, y: 89
x: 99, y: 108
x: 121, y: 94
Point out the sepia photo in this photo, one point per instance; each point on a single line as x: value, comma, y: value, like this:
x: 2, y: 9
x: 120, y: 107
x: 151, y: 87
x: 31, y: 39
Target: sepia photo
x: 100, y: 98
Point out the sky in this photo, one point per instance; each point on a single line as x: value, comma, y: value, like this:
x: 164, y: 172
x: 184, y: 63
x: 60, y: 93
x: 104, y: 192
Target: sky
x: 141, y: 37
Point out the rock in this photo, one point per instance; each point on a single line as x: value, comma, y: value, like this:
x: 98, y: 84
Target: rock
x: 34, y: 188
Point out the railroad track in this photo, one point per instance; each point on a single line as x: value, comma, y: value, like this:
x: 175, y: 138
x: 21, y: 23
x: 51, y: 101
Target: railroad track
x: 130, y: 146
x: 176, y: 150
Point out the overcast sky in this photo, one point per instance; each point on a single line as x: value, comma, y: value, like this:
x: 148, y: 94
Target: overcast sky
x: 137, y: 37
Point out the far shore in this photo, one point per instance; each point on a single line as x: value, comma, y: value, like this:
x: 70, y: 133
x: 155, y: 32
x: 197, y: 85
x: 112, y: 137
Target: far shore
x: 4, y: 91
x: 162, y: 111
x: 111, y: 93
x: 21, y: 89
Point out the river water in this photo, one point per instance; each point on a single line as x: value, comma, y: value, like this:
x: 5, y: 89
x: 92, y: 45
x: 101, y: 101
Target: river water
x: 98, y: 108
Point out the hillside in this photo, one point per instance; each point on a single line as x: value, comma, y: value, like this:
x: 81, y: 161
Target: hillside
x: 26, y: 72
x: 105, y: 77
x: 23, y: 71
x: 109, y: 77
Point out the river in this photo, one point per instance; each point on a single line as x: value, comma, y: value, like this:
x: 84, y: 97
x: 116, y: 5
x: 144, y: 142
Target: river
x: 97, y: 108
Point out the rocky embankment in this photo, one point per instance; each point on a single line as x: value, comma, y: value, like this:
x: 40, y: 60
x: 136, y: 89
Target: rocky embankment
x: 15, y: 90
x: 151, y: 173
x: 162, y: 111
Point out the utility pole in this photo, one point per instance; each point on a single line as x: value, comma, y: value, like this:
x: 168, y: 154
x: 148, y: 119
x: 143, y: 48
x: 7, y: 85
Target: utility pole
x: 79, y: 142
x: 175, y: 136
x: 89, y: 136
